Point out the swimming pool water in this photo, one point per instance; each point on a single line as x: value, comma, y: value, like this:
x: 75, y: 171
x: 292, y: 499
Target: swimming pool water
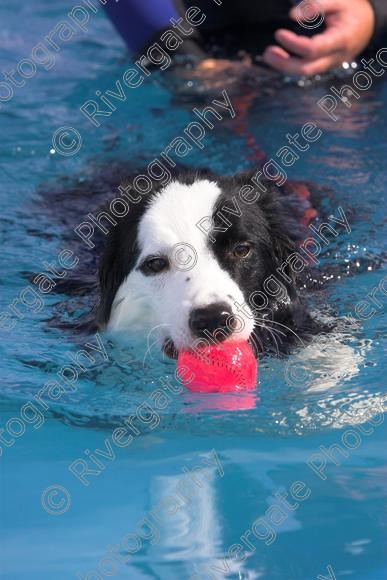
x: 263, y: 441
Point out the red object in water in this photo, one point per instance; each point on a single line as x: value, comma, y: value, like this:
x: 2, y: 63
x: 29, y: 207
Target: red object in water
x: 221, y: 368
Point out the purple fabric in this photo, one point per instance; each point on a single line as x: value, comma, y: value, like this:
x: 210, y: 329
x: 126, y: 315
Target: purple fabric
x: 138, y: 21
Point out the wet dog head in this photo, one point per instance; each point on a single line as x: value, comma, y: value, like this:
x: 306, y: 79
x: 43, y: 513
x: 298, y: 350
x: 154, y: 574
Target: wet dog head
x: 196, y: 262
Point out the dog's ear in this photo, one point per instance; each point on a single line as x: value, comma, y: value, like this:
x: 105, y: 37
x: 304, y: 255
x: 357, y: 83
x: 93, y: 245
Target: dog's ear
x: 282, y: 229
x: 118, y: 259
x: 283, y: 241
x: 109, y: 281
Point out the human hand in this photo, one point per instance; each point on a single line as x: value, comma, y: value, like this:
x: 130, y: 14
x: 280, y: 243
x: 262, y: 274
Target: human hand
x: 209, y: 67
x: 349, y: 28
x: 217, y: 73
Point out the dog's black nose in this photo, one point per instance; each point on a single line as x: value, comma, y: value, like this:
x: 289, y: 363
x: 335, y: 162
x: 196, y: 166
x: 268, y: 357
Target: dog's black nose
x: 212, y: 318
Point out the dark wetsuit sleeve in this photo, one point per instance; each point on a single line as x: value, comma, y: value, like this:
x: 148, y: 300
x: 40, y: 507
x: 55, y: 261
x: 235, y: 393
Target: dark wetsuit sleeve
x: 141, y: 22
x: 379, y: 39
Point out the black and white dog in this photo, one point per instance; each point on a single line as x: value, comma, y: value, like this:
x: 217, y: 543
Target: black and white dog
x: 199, y: 262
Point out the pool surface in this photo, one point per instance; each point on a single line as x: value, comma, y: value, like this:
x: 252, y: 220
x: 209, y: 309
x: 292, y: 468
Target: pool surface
x: 142, y: 511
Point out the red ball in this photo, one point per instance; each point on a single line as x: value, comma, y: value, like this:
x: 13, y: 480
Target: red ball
x: 221, y: 368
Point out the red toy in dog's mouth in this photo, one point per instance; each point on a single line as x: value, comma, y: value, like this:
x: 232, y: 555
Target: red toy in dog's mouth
x: 222, y: 368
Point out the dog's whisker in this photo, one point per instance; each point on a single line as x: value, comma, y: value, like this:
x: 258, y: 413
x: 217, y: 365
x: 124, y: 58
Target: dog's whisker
x: 275, y: 330
x: 256, y: 340
x: 261, y: 323
x: 275, y: 341
x: 257, y: 343
x: 266, y: 321
x: 271, y: 331
x: 286, y: 328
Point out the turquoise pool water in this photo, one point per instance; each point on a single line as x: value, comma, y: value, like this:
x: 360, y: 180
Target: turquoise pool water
x: 134, y: 503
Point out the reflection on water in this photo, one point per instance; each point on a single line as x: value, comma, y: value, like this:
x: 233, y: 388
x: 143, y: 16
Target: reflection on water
x: 263, y: 438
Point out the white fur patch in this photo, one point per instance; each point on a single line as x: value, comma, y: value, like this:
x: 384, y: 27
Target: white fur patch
x: 195, y: 278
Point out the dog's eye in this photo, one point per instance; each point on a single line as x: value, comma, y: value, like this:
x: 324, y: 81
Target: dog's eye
x: 154, y: 265
x: 242, y: 250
